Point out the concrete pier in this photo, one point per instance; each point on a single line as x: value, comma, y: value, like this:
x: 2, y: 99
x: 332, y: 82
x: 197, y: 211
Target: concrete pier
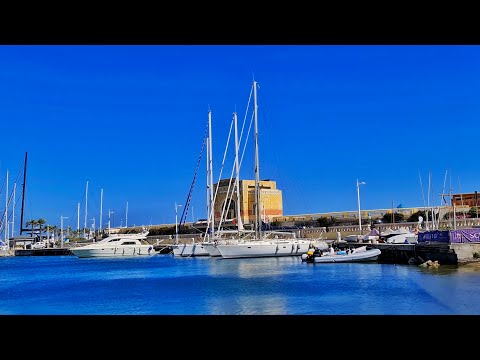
x: 43, y: 252
x: 444, y: 253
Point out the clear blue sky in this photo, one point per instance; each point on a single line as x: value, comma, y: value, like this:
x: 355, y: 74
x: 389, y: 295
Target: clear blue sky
x: 130, y: 120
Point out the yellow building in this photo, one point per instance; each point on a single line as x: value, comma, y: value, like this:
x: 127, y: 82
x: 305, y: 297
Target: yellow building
x: 271, y: 204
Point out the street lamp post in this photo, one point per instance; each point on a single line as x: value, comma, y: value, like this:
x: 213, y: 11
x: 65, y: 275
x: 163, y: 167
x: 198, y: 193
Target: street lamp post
x: 176, y: 220
x: 358, y: 198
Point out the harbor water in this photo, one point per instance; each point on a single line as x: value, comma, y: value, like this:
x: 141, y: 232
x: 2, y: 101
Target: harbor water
x: 164, y: 285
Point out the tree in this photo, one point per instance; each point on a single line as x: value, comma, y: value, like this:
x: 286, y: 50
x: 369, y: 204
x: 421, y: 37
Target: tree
x: 326, y: 222
x: 387, y: 218
x: 40, y: 223
x: 473, y: 211
x: 414, y: 217
x: 49, y: 230
x: 32, y: 223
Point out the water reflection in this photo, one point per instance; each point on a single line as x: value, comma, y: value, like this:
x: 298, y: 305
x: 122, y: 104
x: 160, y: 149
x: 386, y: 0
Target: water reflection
x: 250, y: 305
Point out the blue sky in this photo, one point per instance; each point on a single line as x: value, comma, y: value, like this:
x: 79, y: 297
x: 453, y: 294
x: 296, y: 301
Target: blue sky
x: 130, y: 120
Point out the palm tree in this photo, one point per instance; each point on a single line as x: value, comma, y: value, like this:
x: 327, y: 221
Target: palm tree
x: 32, y: 223
x: 55, y: 231
x: 50, y: 229
x: 40, y: 223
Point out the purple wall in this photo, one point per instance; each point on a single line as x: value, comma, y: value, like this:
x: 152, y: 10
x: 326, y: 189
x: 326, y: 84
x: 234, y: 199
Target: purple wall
x: 452, y: 236
x: 433, y: 236
x: 465, y: 236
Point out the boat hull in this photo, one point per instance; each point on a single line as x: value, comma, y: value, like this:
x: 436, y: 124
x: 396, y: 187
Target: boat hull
x: 189, y: 250
x: 211, y: 248
x: 84, y: 252
x: 263, y: 249
x: 364, y: 256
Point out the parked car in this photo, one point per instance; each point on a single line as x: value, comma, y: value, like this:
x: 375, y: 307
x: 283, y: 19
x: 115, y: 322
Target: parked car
x: 39, y: 245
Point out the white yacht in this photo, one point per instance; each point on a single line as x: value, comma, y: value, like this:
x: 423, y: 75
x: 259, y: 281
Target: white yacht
x: 116, y: 245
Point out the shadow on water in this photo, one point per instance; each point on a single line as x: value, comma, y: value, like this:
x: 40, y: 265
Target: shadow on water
x: 471, y: 267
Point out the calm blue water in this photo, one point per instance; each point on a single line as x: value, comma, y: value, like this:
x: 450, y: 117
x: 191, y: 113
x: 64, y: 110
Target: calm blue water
x: 164, y: 285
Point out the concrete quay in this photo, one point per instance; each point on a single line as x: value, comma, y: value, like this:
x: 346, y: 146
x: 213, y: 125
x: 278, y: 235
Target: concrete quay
x: 418, y: 253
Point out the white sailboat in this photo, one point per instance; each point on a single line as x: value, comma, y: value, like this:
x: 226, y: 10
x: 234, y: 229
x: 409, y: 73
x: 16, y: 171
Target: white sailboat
x: 262, y: 243
x: 193, y: 249
x: 214, y: 237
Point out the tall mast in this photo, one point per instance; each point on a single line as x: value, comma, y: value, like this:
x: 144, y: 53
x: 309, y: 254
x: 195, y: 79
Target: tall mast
x: 258, y: 229
x: 237, y: 176
x: 86, y: 203
x: 101, y: 209
x: 6, y: 207
x: 208, y: 202
x: 210, y: 172
x: 78, y: 218
x: 23, y: 193
x: 13, y: 207
x: 126, y: 215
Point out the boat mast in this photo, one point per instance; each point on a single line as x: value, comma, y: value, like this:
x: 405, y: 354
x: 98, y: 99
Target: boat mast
x: 13, y: 207
x: 210, y: 173
x: 78, y: 219
x: 208, y: 201
x: 23, y: 193
x: 101, y: 211
x: 6, y: 208
x: 237, y: 176
x: 86, y: 202
x: 126, y: 216
x: 258, y: 229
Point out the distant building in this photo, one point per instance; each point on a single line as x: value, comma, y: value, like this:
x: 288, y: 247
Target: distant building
x: 467, y: 199
x: 271, y: 204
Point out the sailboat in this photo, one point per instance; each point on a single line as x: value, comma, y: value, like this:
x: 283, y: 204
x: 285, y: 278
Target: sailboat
x: 214, y: 237
x: 194, y: 248
x: 261, y: 243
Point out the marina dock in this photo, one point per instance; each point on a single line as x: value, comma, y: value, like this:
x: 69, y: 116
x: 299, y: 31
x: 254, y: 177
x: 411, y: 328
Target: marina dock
x: 43, y: 252
x: 414, y: 254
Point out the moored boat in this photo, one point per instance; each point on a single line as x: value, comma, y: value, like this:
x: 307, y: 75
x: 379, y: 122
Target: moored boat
x: 360, y: 254
x: 116, y: 245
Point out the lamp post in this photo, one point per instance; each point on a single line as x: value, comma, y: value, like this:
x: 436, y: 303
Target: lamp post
x: 176, y: 220
x: 358, y: 198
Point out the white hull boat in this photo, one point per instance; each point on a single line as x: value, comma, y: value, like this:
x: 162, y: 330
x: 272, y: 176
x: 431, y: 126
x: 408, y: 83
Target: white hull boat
x: 117, y: 245
x: 190, y: 250
x: 4, y: 251
x: 264, y: 248
x: 360, y: 254
x: 400, y: 236
x: 211, y: 248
